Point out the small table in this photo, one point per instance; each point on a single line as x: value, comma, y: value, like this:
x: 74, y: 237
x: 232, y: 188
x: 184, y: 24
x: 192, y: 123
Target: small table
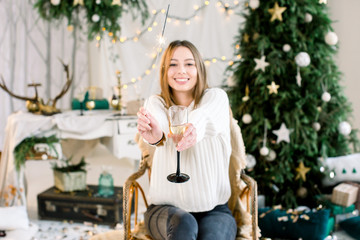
x: 81, y: 206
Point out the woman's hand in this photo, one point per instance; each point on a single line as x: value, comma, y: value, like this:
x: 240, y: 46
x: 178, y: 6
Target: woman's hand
x: 148, y: 126
x: 189, y: 138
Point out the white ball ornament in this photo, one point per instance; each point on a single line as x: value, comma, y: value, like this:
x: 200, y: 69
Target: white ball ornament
x: 250, y: 161
x: 302, y: 59
x: 271, y: 156
x: 286, y: 47
x: 98, y: 1
x: 254, y: 4
x: 316, y: 126
x: 264, y: 151
x: 55, y: 2
x: 246, y: 118
x: 344, y: 128
x: 95, y: 18
x: 308, y: 17
x: 331, y: 38
x: 326, y: 97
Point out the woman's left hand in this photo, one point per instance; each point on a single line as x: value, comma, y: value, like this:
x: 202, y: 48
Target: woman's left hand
x: 189, y: 138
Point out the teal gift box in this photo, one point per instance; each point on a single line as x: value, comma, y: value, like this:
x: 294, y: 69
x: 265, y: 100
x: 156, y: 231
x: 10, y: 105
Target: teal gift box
x: 99, y: 103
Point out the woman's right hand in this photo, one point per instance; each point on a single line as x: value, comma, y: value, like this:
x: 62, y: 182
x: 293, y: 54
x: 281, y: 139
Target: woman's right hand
x: 148, y: 126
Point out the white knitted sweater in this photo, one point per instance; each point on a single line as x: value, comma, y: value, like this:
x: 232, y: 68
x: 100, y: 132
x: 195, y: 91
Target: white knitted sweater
x: 207, y: 162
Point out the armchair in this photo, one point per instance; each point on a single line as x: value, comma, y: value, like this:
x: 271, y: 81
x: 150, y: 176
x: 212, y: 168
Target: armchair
x: 242, y: 203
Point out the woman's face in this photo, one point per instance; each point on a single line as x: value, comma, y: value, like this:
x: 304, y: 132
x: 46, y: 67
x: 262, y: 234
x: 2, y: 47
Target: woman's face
x: 182, y: 72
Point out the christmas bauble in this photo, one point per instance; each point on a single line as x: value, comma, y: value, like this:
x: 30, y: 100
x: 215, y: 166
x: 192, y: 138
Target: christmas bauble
x: 316, y: 126
x: 95, y: 18
x: 264, y: 151
x: 271, y: 156
x: 250, y: 161
x: 254, y: 4
x: 344, y: 128
x: 326, y: 97
x: 302, y: 59
x: 308, y: 17
x: 331, y: 38
x: 98, y: 1
x: 286, y: 47
x: 246, y: 118
x: 302, y: 192
x: 55, y: 2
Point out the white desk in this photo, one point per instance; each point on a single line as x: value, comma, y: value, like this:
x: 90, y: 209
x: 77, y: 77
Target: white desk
x: 115, y: 132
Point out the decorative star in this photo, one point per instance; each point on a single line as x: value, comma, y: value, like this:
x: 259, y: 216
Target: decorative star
x: 298, y: 79
x: 301, y: 171
x: 273, y: 88
x: 246, y: 37
x: 323, y: 1
x: 283, y: 133
x: 78, y: 2
x: 260, y: 63
x: 116, y: 2
x: 276, y: 12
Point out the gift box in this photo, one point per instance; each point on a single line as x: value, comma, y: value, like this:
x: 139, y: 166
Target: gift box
x: 357, y: 203
x: 344, y: 194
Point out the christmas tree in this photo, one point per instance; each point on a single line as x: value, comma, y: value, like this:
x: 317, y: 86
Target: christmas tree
x: 287, y: 96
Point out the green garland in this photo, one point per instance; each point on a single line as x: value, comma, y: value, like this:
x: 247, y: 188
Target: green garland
x: 107, y: 15
x: 25, y: 148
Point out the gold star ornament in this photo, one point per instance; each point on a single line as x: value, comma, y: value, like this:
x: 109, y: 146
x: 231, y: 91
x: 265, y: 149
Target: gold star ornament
x: 273, y: 88
x: 276, y: 12
x: 116, y: 2
x: 301, y: 171
x: 78, y: 2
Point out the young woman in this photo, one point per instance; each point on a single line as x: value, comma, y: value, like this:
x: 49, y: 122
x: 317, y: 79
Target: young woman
x: 196, y: 209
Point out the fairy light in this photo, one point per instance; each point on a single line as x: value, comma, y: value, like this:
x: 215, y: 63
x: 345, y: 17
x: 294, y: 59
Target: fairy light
x: 98, y: 38
x: 110, y: 34
x: 176, y: 21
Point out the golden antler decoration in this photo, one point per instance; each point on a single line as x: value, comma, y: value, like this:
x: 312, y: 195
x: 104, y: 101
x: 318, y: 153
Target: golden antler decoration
x: 36, y: 104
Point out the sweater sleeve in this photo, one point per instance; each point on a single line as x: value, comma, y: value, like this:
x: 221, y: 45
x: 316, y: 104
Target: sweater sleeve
x: 211, y: 117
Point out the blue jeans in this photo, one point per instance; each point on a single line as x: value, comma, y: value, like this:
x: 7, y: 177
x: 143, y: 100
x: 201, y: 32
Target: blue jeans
x: 172, y: 223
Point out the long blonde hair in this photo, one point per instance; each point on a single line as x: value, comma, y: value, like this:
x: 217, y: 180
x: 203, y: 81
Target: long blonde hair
x: 201, y: 85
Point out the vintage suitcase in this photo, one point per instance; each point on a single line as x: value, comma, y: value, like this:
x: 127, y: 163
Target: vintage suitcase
x: 81, y: 206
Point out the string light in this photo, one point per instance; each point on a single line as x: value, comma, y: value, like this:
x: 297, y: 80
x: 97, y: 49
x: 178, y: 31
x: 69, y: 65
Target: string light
x: 161, y: 40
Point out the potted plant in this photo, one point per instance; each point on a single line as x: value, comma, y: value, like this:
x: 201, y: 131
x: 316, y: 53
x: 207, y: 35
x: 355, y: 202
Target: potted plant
x: 69, y: 177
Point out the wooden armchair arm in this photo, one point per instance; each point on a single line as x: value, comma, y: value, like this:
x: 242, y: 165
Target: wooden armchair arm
x: 132, y: 187
x: 252, y: 185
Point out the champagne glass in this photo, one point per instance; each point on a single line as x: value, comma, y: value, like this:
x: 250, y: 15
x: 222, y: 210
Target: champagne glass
x: 178, y: 117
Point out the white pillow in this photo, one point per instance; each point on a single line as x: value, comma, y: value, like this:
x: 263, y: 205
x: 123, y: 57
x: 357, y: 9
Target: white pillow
x: 13, y: 218
x: 343, y: 167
